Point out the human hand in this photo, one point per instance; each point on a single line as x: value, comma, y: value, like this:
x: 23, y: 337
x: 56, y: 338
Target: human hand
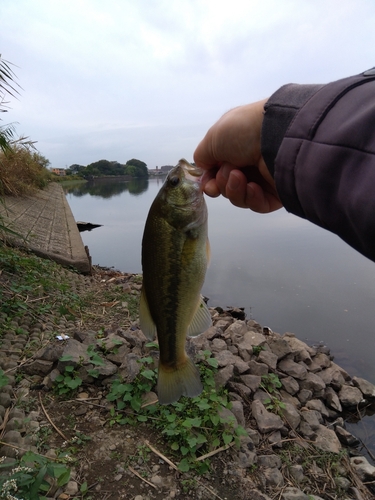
x: 231, y: 156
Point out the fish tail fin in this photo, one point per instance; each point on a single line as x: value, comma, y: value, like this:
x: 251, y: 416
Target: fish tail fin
x: 183, y: 380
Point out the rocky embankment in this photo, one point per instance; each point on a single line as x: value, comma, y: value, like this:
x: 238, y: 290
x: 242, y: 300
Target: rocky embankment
x: 289, y: 397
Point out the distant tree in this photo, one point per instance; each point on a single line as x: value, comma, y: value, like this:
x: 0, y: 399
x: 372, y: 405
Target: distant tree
x: 74, y: 169
x: 141, y: 168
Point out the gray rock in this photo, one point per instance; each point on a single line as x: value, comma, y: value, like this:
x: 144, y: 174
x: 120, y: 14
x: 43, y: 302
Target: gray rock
x: 270, y: 461
x: 288, y: 398
x: 367, y: 389
x: 279, y: 346
x: 293, y: 369
x: 274, y: 439
x: 350, y: 396
x: 327, y: 440
x: 258, y: 368
x: 225, y: 358
x: 313, y: 418
x: 257, y: 495
x: 228, y: 418
x: 297, y: 473
x: 322, y: 360
x: 290, y: 385
x: 313, y: 383
x: 223, y: 323
x: 38, y: 367
x: 345, y: 437
x: 268, y: 358
x: 240, y: 389
x: 304, y: 395
x: 236, y: 331
x: 318, y: 405
x: 266, y: 421
x: 261, y: 396
x: 71, y: 488
x: 274, y: 478
x: 223, y: 376
x: 291, y: 415
x: 237, y: 410
x: 365, y: 471
x: 5, y: 400
x: 74, y: 354
x: 218, y: 345
x: 332, y: 399
x: 118, y: 356
x: 291, y: 493
x: 240, y: 366
x: 246, y: 458
x: 306, y: 430
x: 251, y: 381
x: 334, y: 375
x: 130, y: 368
x: 52, y: 352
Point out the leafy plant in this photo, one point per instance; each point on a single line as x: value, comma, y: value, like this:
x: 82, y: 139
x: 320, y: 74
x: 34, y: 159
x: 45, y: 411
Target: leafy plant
x: 271, y: 383
x: 274, y: 404
x: 30, y: 477
x: 191, y: 427
x: 67, y: 382
x: 257, y: 349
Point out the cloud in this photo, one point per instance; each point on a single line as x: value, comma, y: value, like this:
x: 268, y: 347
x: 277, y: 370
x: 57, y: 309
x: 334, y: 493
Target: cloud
x: 146, y: 79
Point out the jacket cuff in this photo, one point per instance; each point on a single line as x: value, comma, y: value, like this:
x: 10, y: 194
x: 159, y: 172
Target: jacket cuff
x: 279, y: 112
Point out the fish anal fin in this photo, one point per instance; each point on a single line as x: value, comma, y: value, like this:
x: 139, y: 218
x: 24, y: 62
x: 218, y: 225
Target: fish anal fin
x: 181, y: 381
x: 201, y: 320
x: 146, y: 322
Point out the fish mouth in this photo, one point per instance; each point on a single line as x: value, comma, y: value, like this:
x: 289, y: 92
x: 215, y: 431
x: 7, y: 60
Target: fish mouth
x: 191, y: 171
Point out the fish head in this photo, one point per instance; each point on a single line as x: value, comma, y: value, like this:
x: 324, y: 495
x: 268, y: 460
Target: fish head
x: 181, y: 199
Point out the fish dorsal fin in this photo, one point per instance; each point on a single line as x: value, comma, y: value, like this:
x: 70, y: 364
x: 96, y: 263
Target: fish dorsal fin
x: 146, y: 323
x: 201, y: 321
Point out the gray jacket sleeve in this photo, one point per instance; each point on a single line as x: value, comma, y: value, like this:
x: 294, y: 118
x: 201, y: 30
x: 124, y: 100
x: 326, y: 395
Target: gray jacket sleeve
x: 318, y: 142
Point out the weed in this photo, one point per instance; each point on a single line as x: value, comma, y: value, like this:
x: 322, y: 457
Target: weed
x: 274, y: 404
x: 257, y: 349
x: 29, y: 477
x: 271, y: 383
x: 67, y: 382
x: 192, y: 427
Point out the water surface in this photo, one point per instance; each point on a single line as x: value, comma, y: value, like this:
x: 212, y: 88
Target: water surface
x: 288, y: 273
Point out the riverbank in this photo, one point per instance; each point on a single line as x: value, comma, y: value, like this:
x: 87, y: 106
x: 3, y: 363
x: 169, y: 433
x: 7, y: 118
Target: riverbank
x: 288, y: 397
x: 44, y: 223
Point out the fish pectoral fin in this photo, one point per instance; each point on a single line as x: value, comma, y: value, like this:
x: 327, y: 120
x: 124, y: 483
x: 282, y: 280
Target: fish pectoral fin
x: 146, y: 322
x: 201, y: 321
x: 183, y: 381
x: 208, y: 252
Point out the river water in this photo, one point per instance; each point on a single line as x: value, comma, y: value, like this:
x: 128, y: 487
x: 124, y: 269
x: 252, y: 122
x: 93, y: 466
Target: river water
x: 288, y: 273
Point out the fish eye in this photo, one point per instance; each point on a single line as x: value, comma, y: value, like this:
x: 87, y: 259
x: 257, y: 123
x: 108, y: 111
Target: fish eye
x: 174, y: 181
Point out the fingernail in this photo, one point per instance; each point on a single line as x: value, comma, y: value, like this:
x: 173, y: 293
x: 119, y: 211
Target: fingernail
x: 225, y: 171
x: 233, y: 182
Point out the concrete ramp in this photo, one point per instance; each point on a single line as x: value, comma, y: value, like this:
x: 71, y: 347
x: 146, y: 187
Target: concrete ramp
x: 47, y: 227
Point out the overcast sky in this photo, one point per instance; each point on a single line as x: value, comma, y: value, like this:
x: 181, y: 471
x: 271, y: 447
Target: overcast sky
x: 122, y: 79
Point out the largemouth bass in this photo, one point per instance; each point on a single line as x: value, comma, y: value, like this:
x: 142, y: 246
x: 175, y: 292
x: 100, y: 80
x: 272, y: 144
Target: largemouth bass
x: 175, y: 253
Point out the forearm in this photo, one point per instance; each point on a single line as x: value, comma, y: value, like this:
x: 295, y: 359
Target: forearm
x: 319, y: 144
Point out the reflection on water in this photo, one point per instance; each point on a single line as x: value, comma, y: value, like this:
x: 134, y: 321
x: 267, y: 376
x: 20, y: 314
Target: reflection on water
x: 105, y: 188
x: 286, y: 272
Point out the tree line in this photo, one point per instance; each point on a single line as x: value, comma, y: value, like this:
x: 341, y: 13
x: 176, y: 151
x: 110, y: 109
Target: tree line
x: 133, y: 168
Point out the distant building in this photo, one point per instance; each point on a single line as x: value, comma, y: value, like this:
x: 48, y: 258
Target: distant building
x: 155, y: 171
x: 59, y: 171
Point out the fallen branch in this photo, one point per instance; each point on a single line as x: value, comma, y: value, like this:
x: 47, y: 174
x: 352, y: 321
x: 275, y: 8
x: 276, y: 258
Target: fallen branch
x: 160, y: 455
x: 214, y: 452
x: 50, y: 421
x: 140, y: 477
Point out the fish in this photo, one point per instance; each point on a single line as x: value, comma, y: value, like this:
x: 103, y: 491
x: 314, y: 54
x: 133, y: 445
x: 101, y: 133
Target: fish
x: 175, y: 256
